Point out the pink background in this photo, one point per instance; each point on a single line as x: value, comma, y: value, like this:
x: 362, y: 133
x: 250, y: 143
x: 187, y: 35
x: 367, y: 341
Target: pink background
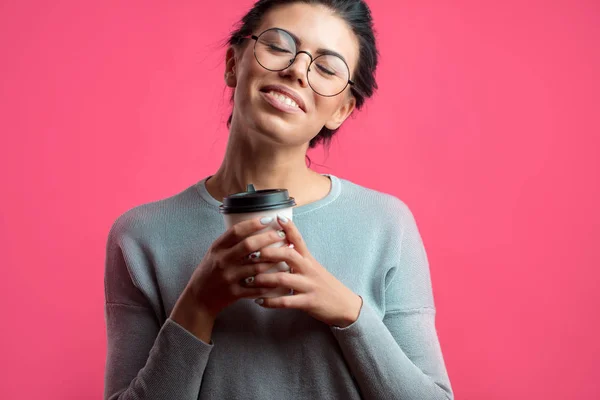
x: 486, y: 125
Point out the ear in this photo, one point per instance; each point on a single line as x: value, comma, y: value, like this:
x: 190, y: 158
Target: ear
x: 341, y: 114
x: 230, y: 61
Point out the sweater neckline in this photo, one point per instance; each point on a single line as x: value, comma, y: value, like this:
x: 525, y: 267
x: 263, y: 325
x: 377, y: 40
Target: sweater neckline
x: 333, y: 194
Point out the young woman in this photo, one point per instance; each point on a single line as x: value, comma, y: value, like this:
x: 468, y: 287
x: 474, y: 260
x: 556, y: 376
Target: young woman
x: 186, y: 317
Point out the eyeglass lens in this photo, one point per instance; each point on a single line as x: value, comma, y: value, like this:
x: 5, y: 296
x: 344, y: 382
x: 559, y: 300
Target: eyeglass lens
x: 275, y: 50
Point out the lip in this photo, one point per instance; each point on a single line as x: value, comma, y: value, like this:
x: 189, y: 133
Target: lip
x: 286, y: 92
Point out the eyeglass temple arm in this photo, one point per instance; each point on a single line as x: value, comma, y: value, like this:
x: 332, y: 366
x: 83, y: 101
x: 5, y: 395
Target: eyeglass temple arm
x: 240, y: 38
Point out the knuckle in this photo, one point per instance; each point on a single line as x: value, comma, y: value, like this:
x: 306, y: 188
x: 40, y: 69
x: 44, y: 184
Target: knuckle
x: 218, y: 262
x: 283, y: 279
x: 279, y: 278
x: 235, y: 290
x: 236, y: 231
x: 212, y: 253
x: 230, y: 232
x: 285, y: 301
x: 266, y: 252
x: 228, y: 276
x: 248, y: 245
x: 260, y: 268
x: 292, y: 254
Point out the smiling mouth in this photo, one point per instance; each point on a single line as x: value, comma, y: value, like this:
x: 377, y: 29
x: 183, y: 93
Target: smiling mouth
x: 280, y: 97
x: 281, y: 102
x: 283, y: 98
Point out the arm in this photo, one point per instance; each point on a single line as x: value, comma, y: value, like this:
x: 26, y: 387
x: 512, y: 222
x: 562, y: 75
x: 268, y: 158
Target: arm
x: 144, y: 359
x: 399, y: 357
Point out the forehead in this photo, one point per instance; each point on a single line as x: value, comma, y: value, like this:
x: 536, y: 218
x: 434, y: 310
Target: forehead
x: 316, y: 26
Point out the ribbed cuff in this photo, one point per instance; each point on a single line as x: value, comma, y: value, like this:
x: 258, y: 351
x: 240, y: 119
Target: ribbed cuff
x: 193, y: 352
x: 366, y: 318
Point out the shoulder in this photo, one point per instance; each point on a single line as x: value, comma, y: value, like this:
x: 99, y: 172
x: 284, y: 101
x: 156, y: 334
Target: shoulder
x: 149, y: 219
x: 383, y: 207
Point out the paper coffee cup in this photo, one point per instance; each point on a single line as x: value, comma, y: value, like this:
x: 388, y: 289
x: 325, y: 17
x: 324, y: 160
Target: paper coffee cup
x: 260, y: 203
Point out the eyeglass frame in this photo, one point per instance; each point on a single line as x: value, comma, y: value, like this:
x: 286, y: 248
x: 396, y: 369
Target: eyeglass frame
x: 312, y: 60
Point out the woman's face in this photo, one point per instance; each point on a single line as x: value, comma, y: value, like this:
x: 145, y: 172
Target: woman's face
x: 263, y: 113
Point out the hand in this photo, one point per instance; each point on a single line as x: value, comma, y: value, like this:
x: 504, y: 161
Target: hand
x: 216, y: 281
x: 316, y: 291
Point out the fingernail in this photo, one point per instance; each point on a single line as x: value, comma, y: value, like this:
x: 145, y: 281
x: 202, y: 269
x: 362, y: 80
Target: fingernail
x: 259, y: 301
x: 281, y: 234
x: 282, y: 219
x: 266, y: 220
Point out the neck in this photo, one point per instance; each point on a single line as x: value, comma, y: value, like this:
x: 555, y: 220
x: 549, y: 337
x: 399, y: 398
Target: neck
x: 266, y: 166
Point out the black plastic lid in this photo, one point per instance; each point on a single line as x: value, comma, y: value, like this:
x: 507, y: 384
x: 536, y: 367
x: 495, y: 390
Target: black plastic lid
x: 253, y: 200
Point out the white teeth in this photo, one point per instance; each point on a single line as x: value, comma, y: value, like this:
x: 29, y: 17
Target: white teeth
x: 284, y: 99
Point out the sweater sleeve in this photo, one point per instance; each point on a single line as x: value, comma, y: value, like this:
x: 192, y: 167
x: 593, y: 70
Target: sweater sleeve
x: 144, y: 359
x: 399, y: 357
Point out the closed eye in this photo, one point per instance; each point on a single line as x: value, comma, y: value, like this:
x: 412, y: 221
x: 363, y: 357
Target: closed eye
x: 278, y: 49
x: 325, y: 70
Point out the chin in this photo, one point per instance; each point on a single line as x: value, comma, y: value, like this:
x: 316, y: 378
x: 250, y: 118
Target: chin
x: 274, y: 125
x: 276, y: 130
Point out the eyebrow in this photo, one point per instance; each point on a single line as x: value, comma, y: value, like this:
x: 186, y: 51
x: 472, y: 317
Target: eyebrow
x: 320, y: 51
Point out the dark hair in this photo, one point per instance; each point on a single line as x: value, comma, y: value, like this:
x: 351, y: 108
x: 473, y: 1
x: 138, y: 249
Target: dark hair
x: 357, y: 15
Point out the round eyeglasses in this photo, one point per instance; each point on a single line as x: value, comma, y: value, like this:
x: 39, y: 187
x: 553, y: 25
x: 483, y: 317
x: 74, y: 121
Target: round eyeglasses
x: 275, y: 50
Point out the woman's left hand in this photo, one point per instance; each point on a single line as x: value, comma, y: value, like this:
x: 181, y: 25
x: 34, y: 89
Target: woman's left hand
x: 316, y: 291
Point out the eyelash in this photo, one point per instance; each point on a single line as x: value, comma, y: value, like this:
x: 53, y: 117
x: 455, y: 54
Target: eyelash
x: 272, y: 47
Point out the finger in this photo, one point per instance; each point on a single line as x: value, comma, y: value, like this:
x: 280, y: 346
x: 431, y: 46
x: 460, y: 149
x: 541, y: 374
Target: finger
x: 284, y: 253
x: 252, y: 244
x: 293, y: 234
x: 298, y: 301
x: 237, y: 273
x: 241, y: 230
x: 242, y: 292
x: 296, y: 282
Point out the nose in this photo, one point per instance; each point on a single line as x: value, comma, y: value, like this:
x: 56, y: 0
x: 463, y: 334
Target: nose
x: 298, y: 70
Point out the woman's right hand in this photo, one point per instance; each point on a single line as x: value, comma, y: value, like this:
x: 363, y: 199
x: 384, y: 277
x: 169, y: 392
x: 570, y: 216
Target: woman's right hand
x: 217, y: 280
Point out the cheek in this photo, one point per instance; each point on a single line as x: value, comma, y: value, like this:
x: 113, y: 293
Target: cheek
x: 247, y: 69
x: 325, y: 107
x: 248, y: 76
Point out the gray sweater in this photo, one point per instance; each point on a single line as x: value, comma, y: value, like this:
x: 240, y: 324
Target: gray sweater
x: 367, y: 239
